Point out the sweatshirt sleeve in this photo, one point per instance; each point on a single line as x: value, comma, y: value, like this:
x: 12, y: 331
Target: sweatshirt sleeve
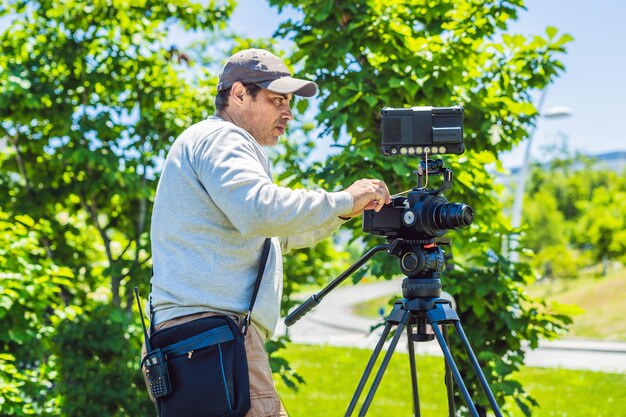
x: 230, y: 169
x: 305, y: 240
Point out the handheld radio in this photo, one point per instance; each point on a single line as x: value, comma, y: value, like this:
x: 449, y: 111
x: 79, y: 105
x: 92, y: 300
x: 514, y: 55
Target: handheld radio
x: 154, y: 364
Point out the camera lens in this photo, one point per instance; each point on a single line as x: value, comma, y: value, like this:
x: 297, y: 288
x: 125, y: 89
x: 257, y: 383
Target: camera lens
x: 453, y: 215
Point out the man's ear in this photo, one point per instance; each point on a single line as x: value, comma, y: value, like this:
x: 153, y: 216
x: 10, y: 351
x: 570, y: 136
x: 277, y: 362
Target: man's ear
x: 237, y: 92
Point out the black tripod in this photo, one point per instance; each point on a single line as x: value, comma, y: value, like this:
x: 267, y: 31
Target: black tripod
x: 422, y: 261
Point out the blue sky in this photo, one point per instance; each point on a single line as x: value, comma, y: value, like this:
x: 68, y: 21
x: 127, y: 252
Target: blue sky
x: 593, y: 86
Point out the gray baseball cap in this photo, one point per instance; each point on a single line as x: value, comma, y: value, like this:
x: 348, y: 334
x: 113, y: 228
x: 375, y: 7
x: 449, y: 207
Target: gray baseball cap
x: 264, y: 69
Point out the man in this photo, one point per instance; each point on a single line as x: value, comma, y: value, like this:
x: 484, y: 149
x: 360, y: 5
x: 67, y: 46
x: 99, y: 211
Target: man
x: 216, y: 203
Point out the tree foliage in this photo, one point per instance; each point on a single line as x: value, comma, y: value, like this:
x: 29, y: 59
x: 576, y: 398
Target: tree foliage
x: 91, y: 95
x: 574, y: 216
x: 31, y: 305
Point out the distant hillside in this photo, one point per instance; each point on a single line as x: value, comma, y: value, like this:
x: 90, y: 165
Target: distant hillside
x: 615, y: 161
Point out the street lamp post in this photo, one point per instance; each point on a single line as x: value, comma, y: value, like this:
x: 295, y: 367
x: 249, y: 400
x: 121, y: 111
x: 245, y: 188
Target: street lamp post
x: 556, y: 112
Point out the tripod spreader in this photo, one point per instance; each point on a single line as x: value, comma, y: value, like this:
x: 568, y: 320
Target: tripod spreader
x: 315, y: 299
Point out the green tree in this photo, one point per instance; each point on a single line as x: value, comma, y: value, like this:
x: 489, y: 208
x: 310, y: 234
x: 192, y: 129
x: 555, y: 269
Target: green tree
x: 602, y: 227
x: 366, y: 55
x: 91, y: 95
x: 31, y: 304
x: 546, y: 234
x: 574, y: 215
x: 544, y: 212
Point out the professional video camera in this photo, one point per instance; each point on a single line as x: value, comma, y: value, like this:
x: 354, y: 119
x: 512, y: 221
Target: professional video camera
x: 419, y: 220
x: 421, y: 131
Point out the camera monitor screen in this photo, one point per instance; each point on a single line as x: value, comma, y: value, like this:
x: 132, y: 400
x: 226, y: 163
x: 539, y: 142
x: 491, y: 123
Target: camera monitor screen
x: 420, y: 131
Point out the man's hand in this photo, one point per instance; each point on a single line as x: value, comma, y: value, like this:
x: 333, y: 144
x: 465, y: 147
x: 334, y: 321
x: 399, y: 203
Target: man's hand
x: 368, y: 194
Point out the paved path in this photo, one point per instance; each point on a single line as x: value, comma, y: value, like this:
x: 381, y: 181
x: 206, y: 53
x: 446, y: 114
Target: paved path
x: 333, y: 323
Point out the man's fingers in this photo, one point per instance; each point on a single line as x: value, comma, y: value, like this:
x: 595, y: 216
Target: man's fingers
x: 369, y: 194
x: 382, y: 196
x: 379, y: 197
x: 375, y: 204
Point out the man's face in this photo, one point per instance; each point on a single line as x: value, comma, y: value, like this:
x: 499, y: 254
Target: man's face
x: 266, y: 116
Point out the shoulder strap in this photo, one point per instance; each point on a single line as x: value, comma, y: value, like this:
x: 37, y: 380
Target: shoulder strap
x: 257, y: 284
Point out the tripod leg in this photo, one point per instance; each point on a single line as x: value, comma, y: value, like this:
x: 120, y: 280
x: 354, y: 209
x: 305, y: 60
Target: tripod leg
x: 455, y: 371
x: 416, y: 397
x: 448, y: 380
x: 476, y: 366
x: 385, y: 362
x: 368, y: 368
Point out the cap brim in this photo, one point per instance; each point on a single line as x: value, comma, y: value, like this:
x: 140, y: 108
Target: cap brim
x: 289, y: 85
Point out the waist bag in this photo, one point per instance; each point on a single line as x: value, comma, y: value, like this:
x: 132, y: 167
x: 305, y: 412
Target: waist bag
x: 207, y: 369
x: 200, y: 368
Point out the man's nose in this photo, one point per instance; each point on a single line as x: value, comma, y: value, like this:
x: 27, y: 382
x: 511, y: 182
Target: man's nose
x: 287, y: 115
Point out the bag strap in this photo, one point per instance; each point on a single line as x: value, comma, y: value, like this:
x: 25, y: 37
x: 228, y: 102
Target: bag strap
x: 257, y: 285
x: 207, y: 338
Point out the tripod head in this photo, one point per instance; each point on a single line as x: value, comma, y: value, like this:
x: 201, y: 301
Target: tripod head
x: 419, y: 258
x: 422, y: 263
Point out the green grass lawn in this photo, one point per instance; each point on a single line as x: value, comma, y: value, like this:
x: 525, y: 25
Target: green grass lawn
x: 332, y: 375
x: 600, y: 299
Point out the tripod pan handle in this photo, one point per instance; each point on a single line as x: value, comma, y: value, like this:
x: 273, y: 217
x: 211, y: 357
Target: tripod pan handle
x: 302, y: 309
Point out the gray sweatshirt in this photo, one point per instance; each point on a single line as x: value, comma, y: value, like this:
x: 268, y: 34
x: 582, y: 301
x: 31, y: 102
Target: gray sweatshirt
x: 215, y: 204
